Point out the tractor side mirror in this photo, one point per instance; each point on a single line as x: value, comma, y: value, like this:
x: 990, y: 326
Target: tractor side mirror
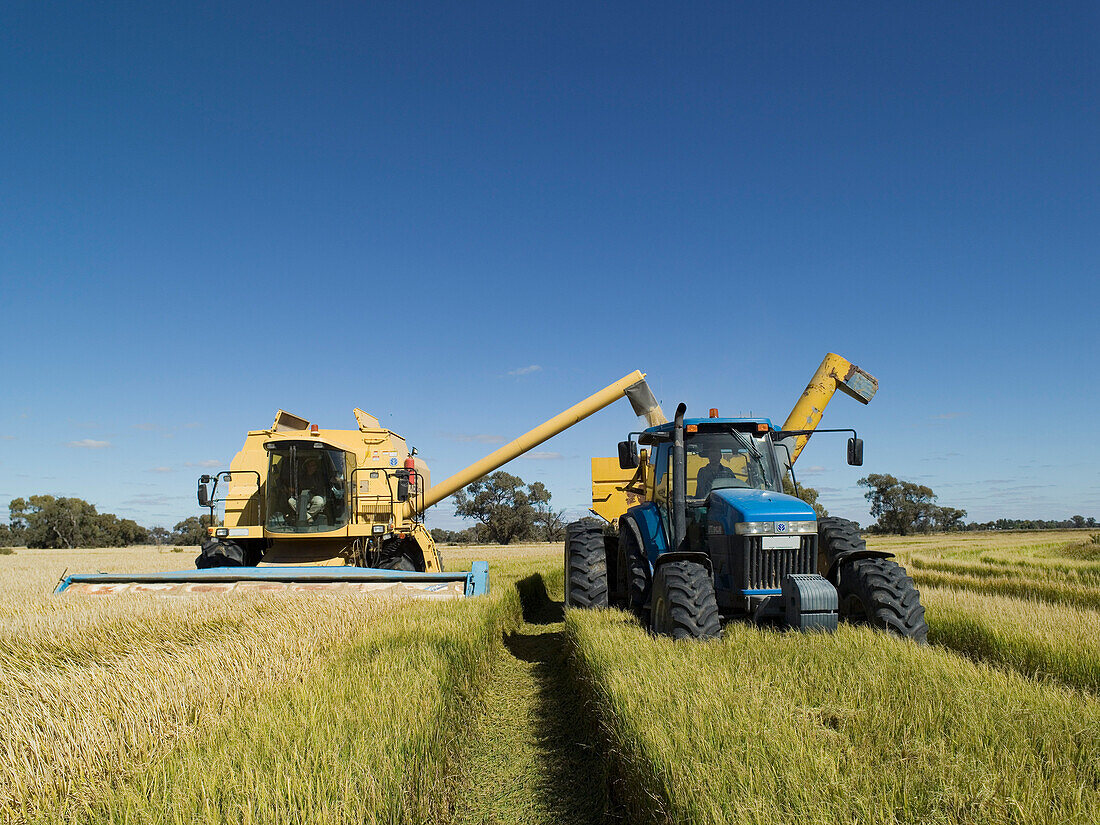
x: 204, y: 497
x: 855, y: 452
x: 628, y: 455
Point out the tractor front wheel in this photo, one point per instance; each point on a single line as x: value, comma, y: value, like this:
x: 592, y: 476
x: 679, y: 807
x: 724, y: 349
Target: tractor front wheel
x: 585, y: 566
x: 684, y: 605
x: 633, y: 570
x: 877, y: 592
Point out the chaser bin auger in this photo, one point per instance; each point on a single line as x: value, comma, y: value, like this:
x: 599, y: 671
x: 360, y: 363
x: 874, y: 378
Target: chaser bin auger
x: 699, y: 529
x: 307, y: 509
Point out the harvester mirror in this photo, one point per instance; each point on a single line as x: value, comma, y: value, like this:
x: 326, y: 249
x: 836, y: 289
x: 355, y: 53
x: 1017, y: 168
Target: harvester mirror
x: 402, y: 485
x: 628, y: 455
x: 855, y: 452
x: 204, y: 497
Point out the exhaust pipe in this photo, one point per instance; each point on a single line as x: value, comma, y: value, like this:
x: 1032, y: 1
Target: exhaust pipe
x: 679, y: 480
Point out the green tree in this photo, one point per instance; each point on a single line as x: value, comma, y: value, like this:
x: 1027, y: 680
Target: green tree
x: 949, y: 519
x: 191, y: 531
x: 159, y: 535
x: 903, y: 507
x: 549, y: 523
x: 51, y: 522
x: 504, y: 506
x: 807, y: 494
x: 54, y: 522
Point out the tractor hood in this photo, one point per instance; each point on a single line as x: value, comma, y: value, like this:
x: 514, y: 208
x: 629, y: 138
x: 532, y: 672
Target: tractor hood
x: 731, y: 506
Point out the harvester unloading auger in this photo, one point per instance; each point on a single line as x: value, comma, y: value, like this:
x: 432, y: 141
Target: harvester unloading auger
x: 308, y: 509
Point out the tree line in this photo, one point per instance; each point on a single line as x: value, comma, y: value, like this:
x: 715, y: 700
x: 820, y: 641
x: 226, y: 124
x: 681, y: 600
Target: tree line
x: 904, y: 507
x: 505, y: 508
x: 65, y: 522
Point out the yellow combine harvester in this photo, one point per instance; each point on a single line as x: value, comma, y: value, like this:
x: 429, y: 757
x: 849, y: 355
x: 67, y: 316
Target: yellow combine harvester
x: 339, y: 510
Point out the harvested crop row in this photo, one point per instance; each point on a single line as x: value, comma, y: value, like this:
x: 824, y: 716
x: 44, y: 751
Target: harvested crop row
x: 1082, y: 567
x: 1079, y: 595
x: 1036, y: 638
x: 765, y: 727
x: 988, y: 569
x: 71, y: 712
x: 365, y: 737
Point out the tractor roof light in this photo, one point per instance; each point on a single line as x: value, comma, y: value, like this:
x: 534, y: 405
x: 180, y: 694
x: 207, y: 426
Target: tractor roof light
x: 713, y: 412
x: 314, y: 429
x: 692, y: 428
x: 761, y: 428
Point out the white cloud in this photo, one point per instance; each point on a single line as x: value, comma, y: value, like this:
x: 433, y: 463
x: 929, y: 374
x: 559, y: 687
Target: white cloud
x: 210, y: 462
x: 539, y: 455
x: 89, y: 444
x: 947, y: 416
x: 816, y: 470
x: 525, y: 370
x: 161, y: 470
x: 145, y: 426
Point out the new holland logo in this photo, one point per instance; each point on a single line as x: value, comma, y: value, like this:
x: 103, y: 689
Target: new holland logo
x: 781, y: 527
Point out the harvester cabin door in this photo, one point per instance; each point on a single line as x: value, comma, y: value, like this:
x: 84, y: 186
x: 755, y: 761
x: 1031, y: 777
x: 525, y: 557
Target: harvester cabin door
x: 307, y: 490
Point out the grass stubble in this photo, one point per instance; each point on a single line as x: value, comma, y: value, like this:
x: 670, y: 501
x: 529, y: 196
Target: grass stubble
x: 374, y: 711
x: 857, y: 726
x: 256, y: 709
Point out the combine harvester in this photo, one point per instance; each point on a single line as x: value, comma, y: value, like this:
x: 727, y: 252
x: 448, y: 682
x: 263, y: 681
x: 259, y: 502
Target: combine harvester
x: 309, y: 510
x: 700, y: 529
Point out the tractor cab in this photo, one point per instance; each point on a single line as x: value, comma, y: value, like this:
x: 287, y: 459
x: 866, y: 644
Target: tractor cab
x: 719, y: 454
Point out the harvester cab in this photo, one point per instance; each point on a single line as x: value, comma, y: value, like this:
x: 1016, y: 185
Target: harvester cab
x: 700, y: 529
x: 308, y: 509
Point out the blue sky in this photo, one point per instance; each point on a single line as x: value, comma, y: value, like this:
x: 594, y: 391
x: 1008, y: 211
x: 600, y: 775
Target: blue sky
x: 465, y: 217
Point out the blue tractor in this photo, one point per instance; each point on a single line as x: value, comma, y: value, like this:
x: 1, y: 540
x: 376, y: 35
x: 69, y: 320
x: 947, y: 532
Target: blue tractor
x: 709, y: 535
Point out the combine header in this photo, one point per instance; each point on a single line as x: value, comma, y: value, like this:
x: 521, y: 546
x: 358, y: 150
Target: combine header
x: 342, y: 511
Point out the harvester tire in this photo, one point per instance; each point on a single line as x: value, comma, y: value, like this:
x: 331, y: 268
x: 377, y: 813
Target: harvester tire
x: 633, y: 568
x: 877, y: 592
x: 684, y: 604
x: 401, y: 562
x: 585, y: 566
x: 220, y: 553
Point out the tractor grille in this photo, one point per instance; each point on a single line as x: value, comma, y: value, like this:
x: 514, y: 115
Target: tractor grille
x: 765, y: 569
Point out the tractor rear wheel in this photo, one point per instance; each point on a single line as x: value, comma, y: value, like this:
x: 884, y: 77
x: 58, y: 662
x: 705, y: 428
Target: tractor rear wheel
x: 684, y: 605
x: 585, y: 565
x: 633, y: 569
x: 877, y: 592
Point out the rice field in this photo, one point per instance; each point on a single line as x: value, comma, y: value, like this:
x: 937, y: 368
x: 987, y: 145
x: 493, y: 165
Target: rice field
x: 508, y: 709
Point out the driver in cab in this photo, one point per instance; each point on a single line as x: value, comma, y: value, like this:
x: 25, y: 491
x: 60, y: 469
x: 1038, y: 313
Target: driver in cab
x: 713, y: 470
x: 312, y: 482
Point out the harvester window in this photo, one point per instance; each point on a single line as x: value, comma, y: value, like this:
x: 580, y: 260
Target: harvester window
x: 306, y: 488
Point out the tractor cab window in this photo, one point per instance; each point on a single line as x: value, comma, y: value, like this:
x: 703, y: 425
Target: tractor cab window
x: 306, y: 489
x: 719, y: 459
